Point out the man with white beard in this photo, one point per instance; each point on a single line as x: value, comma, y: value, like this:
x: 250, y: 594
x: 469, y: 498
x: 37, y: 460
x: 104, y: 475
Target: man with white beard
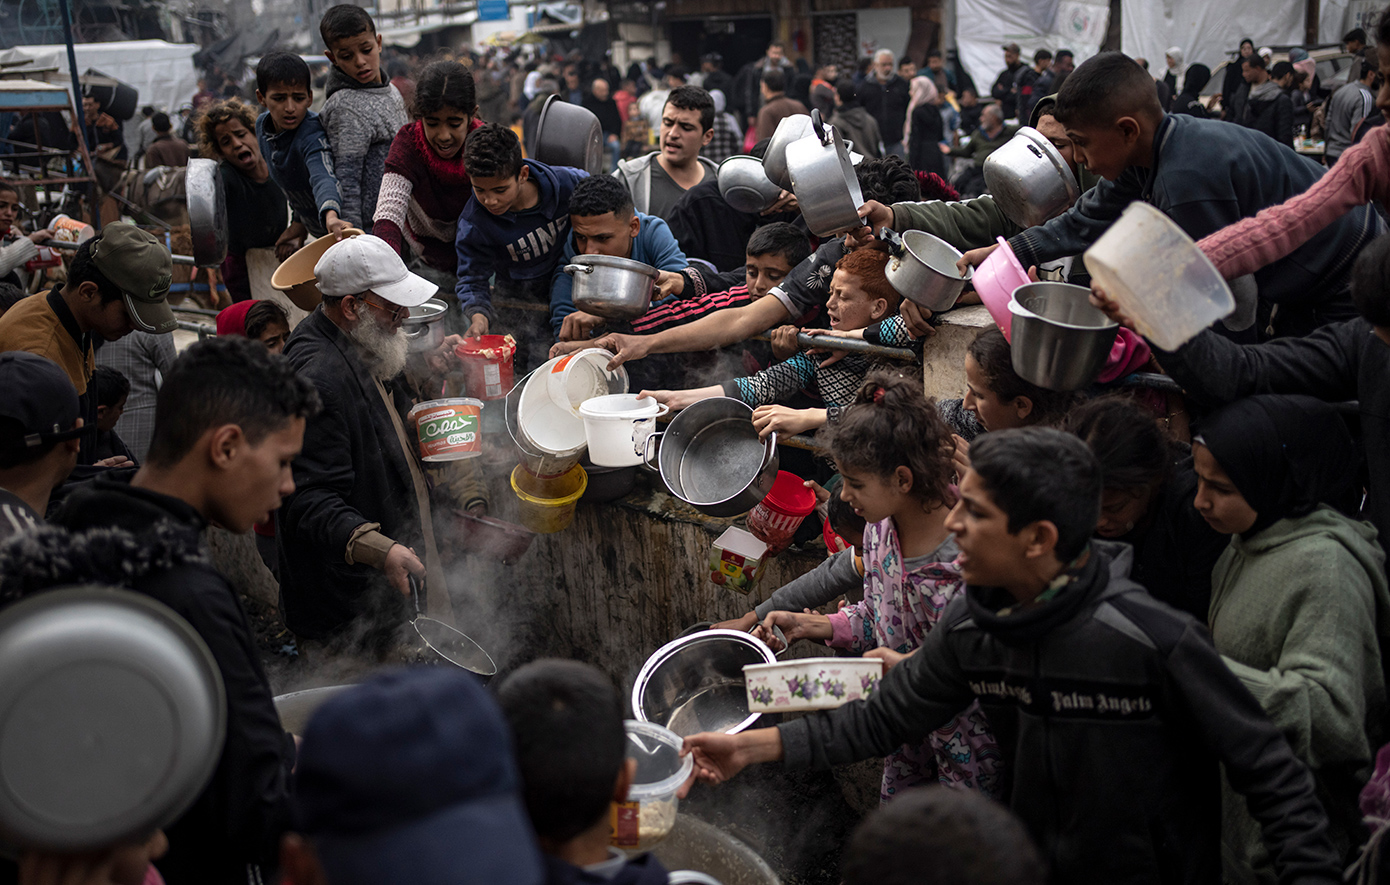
x: 357, y: 526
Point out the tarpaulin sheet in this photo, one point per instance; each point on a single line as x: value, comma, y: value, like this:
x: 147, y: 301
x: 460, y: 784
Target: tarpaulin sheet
x: 163, y: 73
x: 983, y: 26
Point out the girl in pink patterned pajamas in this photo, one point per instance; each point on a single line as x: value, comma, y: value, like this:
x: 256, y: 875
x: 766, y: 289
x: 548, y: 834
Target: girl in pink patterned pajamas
x: 894, y: 453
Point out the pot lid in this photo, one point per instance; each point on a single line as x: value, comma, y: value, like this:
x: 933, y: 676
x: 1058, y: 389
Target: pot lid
x: 617, y: 264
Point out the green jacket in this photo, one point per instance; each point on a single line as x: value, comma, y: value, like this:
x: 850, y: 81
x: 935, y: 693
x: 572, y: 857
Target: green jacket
x: 1299, y: 613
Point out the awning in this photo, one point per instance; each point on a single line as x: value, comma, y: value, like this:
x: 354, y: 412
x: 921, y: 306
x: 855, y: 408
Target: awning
x: 408, y: 33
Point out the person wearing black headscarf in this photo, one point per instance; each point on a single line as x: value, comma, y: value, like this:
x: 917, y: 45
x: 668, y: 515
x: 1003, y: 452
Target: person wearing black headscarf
x: 1300, y: 607
x: 1189, y: 100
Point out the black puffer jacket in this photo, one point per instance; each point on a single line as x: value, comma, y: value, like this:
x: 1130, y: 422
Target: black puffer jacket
x: 110, y: 533
x: 1112, y: 711
x: 1269, y: 109
x: 352, y: 471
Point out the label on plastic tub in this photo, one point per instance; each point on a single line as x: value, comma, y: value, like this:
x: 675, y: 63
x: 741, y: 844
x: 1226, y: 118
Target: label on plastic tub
x: 448, y: 430
x: 625, y: 824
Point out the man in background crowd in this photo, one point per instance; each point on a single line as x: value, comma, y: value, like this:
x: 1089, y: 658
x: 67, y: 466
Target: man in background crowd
x: 1003, y: 88
x: 886, y: 96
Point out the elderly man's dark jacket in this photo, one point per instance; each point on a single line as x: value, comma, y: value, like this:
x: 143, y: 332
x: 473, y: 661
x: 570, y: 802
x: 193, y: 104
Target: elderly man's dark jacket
x: 352, y: 471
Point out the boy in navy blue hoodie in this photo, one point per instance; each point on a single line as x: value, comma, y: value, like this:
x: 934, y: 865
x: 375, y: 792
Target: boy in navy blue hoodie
x: 515, y: 227
x: 295, y: 146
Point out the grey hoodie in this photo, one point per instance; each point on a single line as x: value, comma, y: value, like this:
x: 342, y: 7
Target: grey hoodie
x: 361, y: 122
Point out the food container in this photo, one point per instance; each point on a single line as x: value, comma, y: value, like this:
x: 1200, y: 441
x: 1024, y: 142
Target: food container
x: 539, y: 462
x: 810, y: 683
x: 996, y: 279
x: 923, y: 269
x: 487, y: 365
x: 649, y: 813
x: 745, y: 186
x: 823, y: 178
x: 46, y: 258
x: 736, y: 560
x: 206, y: 199
x: 422, y: 328
x: 695, y: 683
x: 575, y: 378
x: 779, y: 514
x: 296, y: 708
x: 1029, y: 179
x: 70, y: 230
x: 618, y: 426
x: 547, y: 503
x: 568, y: 135
x: 610, y: 287
x: 710, y: 457
x: 1059, y: 340
x: 546, y: 427
x: 699, y: 854
x: 608, y: 483
x: 833, y: 542
x: 448, y: 429
x: 295, y: 275
x: 1158, y: 276
x: 789, y: 130
x: 484, y: 536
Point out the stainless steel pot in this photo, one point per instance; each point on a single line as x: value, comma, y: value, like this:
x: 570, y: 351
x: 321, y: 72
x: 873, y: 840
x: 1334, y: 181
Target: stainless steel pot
x: 823, y: 179
x: 207, y: 212
x: 612, y: 288
x: 423, y: 328
x: 568, y: 135
x: 695, y: 683
x: 710, y: 457
x: 1058, y: 340
x: 791, y: 129
x: 745, y: 185
x: 1029, y: 179
x: 298, y: 707
x: 694, y: 845
x: 923, y: 269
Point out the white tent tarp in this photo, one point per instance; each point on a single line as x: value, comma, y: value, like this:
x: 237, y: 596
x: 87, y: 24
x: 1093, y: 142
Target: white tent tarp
x: 983, y: 26
x: 162, y: 72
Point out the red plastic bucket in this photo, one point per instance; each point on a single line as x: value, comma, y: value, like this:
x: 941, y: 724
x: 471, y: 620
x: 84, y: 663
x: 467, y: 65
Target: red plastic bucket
x: 774, y: 521
x: 487, y: 365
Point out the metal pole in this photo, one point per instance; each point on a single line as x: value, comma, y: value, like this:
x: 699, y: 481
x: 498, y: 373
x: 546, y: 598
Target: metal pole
x: 79, y: 112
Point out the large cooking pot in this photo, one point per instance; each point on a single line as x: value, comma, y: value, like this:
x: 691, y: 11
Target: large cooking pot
x: 207, y: 212
x: 1058, y: 340
x: 423, y: 328
x: 744, y: 184
x: 113, y: 713
x: 923, y: 269
x: 710, y: 457
x: 612, y: 288
x: 1029, y: 179
x: 695, y: 683
x: 823, y: 179
x: 791, y: 129
x: 298, y: 707
x: 568, y: 135
x: 694, y: 847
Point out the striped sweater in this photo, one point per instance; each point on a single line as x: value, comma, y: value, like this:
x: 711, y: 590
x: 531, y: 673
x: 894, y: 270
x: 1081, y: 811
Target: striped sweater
x: 421, y: 197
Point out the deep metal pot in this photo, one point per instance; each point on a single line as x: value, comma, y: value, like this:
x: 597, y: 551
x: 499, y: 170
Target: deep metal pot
x: 1029, y: 179
x: 695, y: 683
x: 710, y: 457
x: 791, y: 129
x: 612, y: 288
x: 745, y: 186
x: 298, y: 707
x: 568, y: 135
x: 423, y: 328
x: 1058, y: 340
x: 923, y: 269
x: 207, y: 212
x: 823, y: 179
x: 694, y: 848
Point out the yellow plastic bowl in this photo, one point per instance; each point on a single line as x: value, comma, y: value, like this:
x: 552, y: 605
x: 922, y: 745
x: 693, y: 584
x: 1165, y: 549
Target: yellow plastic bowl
x: 547, y: 505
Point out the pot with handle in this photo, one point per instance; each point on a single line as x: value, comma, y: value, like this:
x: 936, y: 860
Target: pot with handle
x: 923, y: 269
x: 710, y: 457
x: 207, y: 211
x: 610, y: 287
x: 823, y: 179
x: 1030, y: 181
x: 423, y: 328
x: 791, y: 129
x: 449, y: 644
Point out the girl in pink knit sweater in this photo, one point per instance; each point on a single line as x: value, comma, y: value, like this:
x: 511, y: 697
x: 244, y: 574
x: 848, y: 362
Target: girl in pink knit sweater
x: 1362, y: 175
x: 425, y: 186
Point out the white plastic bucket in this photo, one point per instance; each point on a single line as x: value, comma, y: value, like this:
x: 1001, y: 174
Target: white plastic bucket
x: 618, y: 426
x: 546, y: 426
x: 580, y: 376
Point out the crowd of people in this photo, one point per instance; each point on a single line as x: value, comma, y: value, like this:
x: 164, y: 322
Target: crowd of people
x: 1128, y: 635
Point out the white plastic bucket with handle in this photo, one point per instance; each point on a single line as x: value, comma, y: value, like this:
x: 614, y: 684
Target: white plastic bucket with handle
x: 617, y: 427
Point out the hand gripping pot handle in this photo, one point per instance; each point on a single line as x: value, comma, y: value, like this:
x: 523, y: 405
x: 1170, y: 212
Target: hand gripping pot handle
x: 647, y: 446
x: 573, y: 269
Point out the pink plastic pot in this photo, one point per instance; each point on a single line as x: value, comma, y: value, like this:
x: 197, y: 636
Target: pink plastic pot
x: 996, y: 279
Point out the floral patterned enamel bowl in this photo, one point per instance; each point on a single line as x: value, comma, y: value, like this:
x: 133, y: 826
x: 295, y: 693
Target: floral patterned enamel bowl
x: 810, y: 683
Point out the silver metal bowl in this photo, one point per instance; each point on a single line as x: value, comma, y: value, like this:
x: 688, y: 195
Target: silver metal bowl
x: 711, y: 457
x: 297, y: 707
x: 1058, y: 340
x: 745, y: 186
x: 695, y: 683
x: 568, y: 135
x: 612, y: 288
x: 423, y: 328
x: 693, y: 849
x: 1029, y: 179
x: 207, y: 211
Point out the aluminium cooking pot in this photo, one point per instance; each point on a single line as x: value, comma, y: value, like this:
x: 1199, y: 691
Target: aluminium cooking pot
x: 923, y: 269
x: 1058, y: 340
x: 568, y: 135
x: 423, y: 328
x: 1029, y: 179
x: 790, y: 129
x: 744, y: 184
x: 610, y: 287
x: 695, y: 683
x: 207, y: 211
x: 824, y: 181
x: 711, y: 458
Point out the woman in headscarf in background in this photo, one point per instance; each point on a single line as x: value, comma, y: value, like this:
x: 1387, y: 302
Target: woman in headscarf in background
x: 1299, y: 601
x: 1189, y: 101
x: 727, y: 140
x: 923, y: 130
x: 1173, y: 76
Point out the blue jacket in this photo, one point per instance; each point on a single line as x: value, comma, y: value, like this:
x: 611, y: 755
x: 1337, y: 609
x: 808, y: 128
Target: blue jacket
x: 654, y: 245
x: 515, y: 245
x: 302, y: 164
x: 1206, y: 175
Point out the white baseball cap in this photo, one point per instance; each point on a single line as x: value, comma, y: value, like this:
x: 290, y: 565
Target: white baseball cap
x: 358, y: 264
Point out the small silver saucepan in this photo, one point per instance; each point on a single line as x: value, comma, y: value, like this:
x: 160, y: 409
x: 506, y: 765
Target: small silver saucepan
x: 450, y: 644
x: 423, y: 328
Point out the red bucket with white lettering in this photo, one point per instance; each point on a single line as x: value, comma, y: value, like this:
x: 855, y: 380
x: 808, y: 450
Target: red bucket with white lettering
x: 775, y: 520
x: 487, y: 365
x: 448, y: 429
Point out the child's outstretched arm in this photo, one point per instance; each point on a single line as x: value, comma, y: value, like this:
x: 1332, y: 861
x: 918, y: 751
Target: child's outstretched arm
x: 349, y: 141
x: 679, y: 399
x: 318, y: 160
